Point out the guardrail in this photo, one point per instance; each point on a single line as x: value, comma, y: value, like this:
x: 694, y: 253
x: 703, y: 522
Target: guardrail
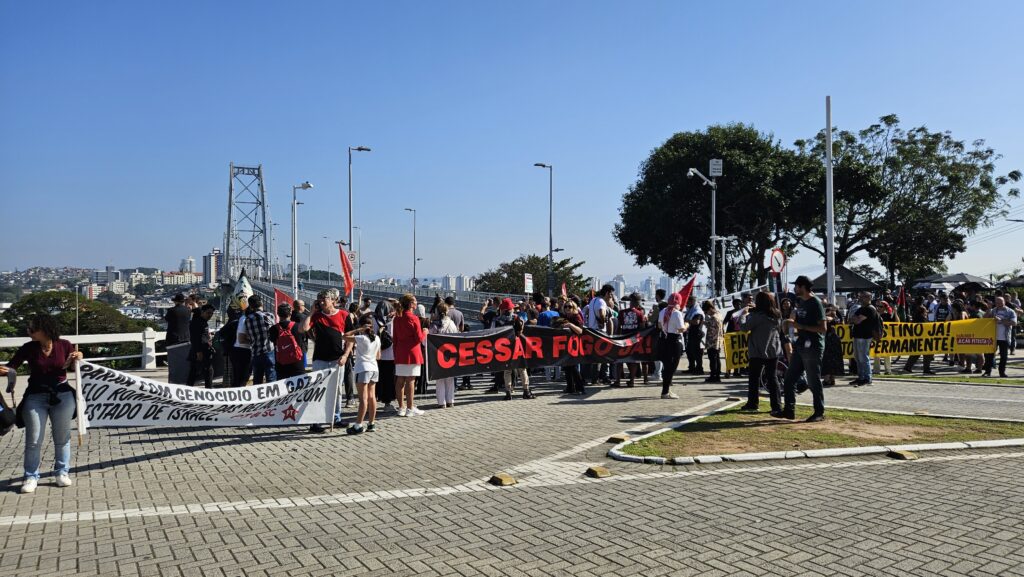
x: 148, y: 338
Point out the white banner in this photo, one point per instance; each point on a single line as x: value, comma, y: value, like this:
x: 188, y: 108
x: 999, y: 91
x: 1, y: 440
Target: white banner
x: 116, y: 399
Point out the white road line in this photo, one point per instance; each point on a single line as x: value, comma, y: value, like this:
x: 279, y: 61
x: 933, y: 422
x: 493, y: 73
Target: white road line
x: 557, y: 474
x: 911, y: 396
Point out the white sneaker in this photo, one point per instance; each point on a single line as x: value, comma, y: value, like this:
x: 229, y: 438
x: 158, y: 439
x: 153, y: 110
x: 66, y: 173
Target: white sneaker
x: 670, y: 396
x: 63, y: 480
x: 402, y: 412
x: 29, y: 486
x: 415, y: 411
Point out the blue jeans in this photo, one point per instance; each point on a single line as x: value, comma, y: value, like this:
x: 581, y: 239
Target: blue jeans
x: 37, y: 410
x: 861, y: 351
x: 263, y: 370
x: 805, y: 360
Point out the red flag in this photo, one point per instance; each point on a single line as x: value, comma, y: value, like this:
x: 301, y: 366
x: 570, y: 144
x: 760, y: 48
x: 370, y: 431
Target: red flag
x: 687, y: 290
x: 346, y: 269
x: 281, y: 297
x: 564, y: 294
x: 901, y: 300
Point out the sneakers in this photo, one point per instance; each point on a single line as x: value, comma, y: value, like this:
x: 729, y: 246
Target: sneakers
x: 528, y: 395
x: 348, y: 404
x: 670, y: 396
x: 29, y: 486
x: 355, y: 429
x: 371, y: 427
x: 816, y: 418
x: 402, y: 412
x: 63, y: 480
x: 785, y: 413
x: 318, y: 428
x: 508, y: 396
x: 749, y: 408
x: 414, y: 412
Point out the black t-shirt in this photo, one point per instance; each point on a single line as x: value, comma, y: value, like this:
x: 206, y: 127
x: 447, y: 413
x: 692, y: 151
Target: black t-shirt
x: 303, y: 338
x: 809, y: 312
x: 943, y: 312
x: 866, y: 328
x: 178, y: 319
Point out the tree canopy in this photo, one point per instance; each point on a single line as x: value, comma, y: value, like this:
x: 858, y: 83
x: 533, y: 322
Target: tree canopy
x: 767, y: 198
x: 94, y: 317
x: 907, y: 198
x: 508, y: 276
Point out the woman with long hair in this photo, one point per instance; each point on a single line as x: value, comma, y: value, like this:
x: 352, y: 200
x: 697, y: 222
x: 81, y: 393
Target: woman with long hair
x: 408, y: 336
x: 763, y: 350
x: 383, y: 319
x: 48, y: 396
x: 367, y: 353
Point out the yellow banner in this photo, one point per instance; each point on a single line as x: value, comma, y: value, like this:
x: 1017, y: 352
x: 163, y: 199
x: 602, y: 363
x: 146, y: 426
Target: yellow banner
x: 970, y: 337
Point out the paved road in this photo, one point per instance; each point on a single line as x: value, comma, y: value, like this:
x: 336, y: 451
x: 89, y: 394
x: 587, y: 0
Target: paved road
x: 411, y: 499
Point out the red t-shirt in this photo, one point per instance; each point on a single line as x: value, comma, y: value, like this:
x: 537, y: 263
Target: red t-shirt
x: 407, y: 337
x: 328, y: 335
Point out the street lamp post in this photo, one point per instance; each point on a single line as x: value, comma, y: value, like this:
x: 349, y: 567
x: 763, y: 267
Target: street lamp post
x: 295, y: 237
x: 414, y: 259
x: 350, y: 149
x: 359, y: 255
x: 551, y: 225
x: 723, y: 239
x: 328, y: 259
x: 714, y: 193
x: 309, y: 262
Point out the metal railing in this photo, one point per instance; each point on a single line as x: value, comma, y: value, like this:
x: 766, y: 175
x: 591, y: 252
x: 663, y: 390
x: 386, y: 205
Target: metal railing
x: 148, y: 338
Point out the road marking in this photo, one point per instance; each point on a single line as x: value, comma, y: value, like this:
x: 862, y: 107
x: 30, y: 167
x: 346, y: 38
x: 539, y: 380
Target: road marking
x: 912, y: 396
x: 556, y: 474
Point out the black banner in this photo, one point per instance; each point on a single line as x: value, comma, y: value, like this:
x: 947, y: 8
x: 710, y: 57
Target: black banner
x: 494, y: 350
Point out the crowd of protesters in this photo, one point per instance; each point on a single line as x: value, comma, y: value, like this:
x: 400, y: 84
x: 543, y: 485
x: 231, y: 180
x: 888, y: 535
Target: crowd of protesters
x: 381, y: 347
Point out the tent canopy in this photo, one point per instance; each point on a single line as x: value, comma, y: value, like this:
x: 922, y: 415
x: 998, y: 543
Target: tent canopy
x: 847, y: 281
x: 962, y: 278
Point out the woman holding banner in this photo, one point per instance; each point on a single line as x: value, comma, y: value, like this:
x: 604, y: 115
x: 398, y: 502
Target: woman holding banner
x: 572, y: 320
x: 48, y: 396
x: 763, y: 349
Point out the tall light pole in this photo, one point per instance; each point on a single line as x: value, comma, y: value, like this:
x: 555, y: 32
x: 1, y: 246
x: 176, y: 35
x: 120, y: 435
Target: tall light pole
x: 309, y: 262
x: 295, y: 237
x: 830, y: 232
x: 329, y: 258
x: 551, y: 226
x: 359, y: 255
x: 723, y: 239
x: 414, y: 259
x: 714, y: 192
x: 350, y: 149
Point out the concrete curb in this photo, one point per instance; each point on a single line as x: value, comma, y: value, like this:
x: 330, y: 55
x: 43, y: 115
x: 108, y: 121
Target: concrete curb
x: 617, y: 454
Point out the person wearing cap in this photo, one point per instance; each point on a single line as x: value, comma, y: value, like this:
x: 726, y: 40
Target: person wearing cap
x: 808, y: 320
x: 201, y: 350
x: 178, y: 318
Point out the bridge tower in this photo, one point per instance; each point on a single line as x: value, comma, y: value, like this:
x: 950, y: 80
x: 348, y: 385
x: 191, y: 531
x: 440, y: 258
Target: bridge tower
x: 247, y: 242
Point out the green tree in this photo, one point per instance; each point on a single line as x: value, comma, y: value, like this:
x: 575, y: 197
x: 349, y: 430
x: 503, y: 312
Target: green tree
x: 767, y: 198
x: 147, y: 288
x: 908, y: 198
x: 508, y: 276
x: 94, y: 318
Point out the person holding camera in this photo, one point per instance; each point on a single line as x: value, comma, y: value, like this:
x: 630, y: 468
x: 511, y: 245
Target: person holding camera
x: 48, y: 396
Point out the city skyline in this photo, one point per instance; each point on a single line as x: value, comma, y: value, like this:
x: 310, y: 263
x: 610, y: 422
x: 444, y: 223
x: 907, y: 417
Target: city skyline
x: 144, y: 150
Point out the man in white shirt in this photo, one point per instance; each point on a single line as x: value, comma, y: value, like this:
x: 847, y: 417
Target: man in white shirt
x: 597, y: 319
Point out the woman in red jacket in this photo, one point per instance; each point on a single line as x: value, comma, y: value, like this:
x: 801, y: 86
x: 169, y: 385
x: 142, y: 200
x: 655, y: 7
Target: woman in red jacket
x: 408, y: 335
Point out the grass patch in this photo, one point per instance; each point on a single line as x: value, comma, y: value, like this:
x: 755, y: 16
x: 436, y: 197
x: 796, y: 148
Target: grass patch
x: 955, y: 378
x: 735, y: 432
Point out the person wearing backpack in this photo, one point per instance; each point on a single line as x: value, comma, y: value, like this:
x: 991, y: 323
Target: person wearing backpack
x: 865, y: 321
x: 631, y: 320
x: 287, y: 352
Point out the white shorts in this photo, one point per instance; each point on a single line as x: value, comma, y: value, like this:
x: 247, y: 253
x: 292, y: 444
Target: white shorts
x: 367, y: 377
x: 407, y: 370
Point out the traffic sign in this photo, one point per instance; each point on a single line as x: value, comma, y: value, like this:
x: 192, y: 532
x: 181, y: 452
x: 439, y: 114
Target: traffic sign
x: 716, y: 167
x: 353, y: 258
x: 777, y: 260
x: 528, y: 282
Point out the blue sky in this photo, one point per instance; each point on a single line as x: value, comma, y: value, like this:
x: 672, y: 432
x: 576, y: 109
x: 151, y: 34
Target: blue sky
x: 118, y: 120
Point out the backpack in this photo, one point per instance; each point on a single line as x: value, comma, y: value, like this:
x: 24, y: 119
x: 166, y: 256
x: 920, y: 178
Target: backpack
x: 287, y: 347
x: 385, y: 337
